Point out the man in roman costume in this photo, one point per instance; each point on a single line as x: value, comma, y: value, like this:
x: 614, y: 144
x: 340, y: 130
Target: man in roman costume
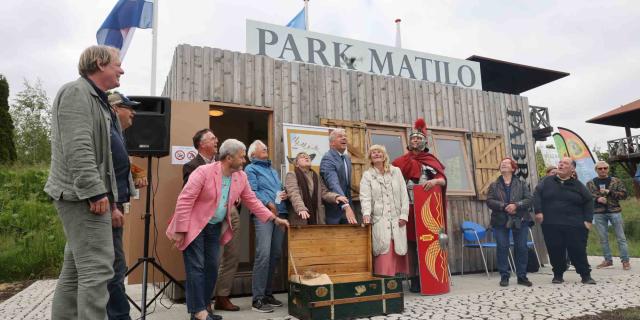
x: 421, y: 169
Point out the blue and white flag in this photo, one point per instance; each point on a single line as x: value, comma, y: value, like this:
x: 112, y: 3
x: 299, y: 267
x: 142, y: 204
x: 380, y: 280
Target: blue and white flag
x: 117, y: 30
x: 298, y: 21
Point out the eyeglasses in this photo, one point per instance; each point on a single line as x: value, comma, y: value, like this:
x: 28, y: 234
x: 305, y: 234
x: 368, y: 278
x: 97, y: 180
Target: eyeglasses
x: 603, y: 168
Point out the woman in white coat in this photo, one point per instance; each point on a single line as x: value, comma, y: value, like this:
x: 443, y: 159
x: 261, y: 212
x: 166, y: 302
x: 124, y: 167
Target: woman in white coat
x: 385, y: 204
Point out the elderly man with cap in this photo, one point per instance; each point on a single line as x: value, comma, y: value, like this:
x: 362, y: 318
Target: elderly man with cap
x: 118, y: 306
x: 422, y: 169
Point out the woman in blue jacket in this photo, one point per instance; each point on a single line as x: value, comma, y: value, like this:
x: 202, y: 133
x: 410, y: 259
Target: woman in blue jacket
x: 266, y: 184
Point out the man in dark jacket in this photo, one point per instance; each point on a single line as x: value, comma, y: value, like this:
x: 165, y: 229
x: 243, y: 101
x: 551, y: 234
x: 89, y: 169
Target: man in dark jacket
x: 564, y: 207
x: 335, y: 169
x: 607, y: 191
x: 207, y: 145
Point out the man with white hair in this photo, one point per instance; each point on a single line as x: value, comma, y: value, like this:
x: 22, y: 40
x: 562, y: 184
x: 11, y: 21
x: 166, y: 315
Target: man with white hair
x: 267, y: 185
x: 607, y: 192
x: 335, y: 169
x: 86, y: 178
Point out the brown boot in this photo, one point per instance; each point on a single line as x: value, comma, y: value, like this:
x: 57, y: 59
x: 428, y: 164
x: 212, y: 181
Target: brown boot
x: 223, y: 303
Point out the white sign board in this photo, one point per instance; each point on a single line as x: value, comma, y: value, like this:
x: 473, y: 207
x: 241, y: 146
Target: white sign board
x: 182, y: 154
x: 310, y: 139
x: 316, y: 48
x: 549, y: 155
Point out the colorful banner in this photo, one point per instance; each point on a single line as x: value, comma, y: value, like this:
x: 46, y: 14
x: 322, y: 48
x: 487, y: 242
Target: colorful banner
x: 577, y: 149
x: 431, y: 224
x: 561, y: 147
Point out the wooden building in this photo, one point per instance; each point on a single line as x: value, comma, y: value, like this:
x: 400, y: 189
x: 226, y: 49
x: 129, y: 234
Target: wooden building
x: 470, y: 130
x: 625, y: 151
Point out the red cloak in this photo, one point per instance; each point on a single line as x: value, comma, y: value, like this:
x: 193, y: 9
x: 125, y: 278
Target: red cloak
x: 411, y: 166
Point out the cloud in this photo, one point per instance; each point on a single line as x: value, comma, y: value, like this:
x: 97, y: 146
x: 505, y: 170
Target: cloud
x: 594, y: 41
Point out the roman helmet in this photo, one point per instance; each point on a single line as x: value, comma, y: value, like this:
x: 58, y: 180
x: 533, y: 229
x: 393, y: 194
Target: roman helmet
x: 419, y: 130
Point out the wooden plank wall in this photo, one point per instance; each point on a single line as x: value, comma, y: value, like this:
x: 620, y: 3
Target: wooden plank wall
x: 304, y: 93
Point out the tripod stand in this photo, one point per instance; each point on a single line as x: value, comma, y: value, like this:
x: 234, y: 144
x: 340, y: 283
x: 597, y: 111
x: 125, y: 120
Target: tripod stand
x: 146, y: 260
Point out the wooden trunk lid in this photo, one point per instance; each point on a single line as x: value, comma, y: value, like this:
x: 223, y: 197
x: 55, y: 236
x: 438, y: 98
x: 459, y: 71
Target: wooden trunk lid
x: 341, y: 251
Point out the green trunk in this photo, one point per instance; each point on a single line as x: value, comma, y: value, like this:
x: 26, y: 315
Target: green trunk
x: 312, y: 302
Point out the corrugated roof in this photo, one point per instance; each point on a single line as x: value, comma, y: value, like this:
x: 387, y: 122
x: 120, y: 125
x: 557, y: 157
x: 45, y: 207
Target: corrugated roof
x: 513, y: 78
x: 627, y: 115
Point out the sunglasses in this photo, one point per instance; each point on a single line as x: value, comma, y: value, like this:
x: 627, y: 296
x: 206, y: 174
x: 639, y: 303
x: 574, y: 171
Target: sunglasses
x: 603, y: 168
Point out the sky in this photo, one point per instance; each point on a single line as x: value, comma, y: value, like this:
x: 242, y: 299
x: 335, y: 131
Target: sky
x: 595, y: 41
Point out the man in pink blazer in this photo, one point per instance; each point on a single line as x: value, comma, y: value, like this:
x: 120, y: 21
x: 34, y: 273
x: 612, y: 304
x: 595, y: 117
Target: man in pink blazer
x: 200, y: 223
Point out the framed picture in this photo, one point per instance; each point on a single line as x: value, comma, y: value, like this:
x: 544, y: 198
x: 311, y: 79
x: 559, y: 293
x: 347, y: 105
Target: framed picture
x: 301, y: 138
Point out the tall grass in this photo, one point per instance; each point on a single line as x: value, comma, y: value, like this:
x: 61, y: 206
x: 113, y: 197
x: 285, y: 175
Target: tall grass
x: 31, y: 236
x: 631, y: 218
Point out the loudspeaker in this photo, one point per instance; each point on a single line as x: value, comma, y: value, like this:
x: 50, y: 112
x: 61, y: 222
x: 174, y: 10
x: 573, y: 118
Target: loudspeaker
x: 149, y: 135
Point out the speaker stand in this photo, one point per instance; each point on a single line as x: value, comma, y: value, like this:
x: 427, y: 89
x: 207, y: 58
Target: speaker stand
x: 146, y: 260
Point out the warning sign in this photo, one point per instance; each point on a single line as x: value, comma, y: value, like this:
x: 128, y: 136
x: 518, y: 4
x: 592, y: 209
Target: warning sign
x: 182, y: 154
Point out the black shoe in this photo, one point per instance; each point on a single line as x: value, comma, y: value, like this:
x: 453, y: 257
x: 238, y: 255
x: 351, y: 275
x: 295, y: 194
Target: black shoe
x: 504, y: 281
x: 557, y: 280
x: 210, y: 316
x: 260, y: 306
x: 272, y: 301
x: 525, y: 282
x: 588, y: 280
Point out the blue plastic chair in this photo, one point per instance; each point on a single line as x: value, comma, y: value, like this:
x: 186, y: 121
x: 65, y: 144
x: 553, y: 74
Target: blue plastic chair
x: 473, y: 235
x: 530, y: 244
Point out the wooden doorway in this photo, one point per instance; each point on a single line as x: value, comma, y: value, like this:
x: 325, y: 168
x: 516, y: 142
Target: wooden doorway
x: 246, y: 124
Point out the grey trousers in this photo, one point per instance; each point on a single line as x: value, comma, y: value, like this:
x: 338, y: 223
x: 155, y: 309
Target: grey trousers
x: 230, y: 259
x: 81, y: 292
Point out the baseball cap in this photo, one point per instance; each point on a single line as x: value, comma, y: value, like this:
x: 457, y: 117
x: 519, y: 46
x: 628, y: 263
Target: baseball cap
x: 117, y: 98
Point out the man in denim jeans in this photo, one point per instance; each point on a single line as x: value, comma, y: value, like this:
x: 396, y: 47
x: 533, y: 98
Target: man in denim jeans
x: 607, y: 191
x: 267, y: 185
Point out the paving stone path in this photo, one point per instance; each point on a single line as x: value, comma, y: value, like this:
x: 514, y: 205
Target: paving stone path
x: 542, y: 301
x: 551, y: 302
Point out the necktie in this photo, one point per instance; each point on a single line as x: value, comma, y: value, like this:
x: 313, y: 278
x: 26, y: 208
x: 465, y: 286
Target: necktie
x: 346, y: 169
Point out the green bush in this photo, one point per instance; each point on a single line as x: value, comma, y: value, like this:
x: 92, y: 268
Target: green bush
x: 31, y: 236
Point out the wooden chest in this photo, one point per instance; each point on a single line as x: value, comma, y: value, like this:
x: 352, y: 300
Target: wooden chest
x: 343, y: 252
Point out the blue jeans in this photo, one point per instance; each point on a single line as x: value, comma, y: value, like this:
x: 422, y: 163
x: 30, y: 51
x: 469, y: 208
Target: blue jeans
x: 118, y: 306
x: 201, y: 267
x: 601, y: 220
x: 520, y: 237
x: 268, y: 251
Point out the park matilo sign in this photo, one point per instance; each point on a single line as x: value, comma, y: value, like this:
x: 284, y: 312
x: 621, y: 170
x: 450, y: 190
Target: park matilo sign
x: 316, y: 48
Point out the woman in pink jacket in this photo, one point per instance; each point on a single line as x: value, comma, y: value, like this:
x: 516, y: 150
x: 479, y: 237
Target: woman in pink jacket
x: 200, y: 223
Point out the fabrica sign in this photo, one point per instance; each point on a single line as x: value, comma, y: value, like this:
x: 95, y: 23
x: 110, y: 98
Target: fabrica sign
x: 316, y: 48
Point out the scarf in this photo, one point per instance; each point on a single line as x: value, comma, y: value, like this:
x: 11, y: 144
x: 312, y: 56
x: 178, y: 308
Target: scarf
x: 310, y: 201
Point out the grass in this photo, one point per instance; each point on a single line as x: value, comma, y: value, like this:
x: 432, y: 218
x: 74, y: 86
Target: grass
x: 631, y: 218
x: 31, y: 236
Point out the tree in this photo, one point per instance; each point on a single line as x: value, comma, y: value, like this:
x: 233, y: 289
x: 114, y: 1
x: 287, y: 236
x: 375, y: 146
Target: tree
x: 31, y: 113
x: 540, y: 166
x: 7, y: 147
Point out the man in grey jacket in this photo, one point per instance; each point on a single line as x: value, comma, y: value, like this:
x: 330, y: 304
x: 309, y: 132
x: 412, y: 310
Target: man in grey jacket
x: 82, y: 183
